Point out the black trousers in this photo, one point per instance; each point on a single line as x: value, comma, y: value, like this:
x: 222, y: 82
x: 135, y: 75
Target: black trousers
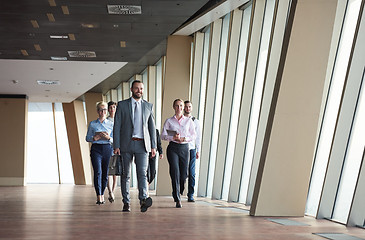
x: 178, y: 158
x: 100, y: 155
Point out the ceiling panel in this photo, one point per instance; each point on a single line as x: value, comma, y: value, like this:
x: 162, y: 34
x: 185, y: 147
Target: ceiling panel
x: 94, y: 30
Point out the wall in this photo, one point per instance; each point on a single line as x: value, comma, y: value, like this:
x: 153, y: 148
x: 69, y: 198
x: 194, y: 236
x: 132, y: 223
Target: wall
x: 13, y: 129
x: 90, y: 104
x: 79, y: 148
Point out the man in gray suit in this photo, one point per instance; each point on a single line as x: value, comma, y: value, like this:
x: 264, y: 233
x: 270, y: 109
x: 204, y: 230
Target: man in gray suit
x: 135, y: 135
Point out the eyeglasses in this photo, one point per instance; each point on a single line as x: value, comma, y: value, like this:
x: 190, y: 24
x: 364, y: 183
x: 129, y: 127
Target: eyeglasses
x: 103, y: 109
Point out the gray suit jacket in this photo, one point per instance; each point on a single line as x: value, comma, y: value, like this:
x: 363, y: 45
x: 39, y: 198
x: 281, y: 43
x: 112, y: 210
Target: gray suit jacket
x: 123, y: 126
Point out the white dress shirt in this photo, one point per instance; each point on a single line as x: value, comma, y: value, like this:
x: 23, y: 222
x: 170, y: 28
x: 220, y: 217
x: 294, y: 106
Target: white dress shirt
x: 138, y: 128
x: 185, y: 127
x: 196, y: 144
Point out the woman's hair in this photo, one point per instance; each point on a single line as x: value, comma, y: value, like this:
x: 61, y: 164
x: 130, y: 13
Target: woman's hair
x: 111, y: 103
x: 99, y: 104
x: 177, y: 100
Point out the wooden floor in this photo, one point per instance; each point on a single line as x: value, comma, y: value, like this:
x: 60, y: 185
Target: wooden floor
x: 70, y: 212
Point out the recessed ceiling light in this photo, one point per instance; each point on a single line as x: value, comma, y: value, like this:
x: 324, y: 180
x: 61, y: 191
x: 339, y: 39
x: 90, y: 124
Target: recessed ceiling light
x: 83, y: 54
x: 72, y: 36
x: 65, y: 10
x: 48, y: 82
x: 52, y: 3
x: 124, y: 9
x: 89, y: 25
x: 37, y: 47
x: 24, y: 52
x: 34, y: 23
x: 51, y: 17
x: 58, y: 36
x: 59, y: 58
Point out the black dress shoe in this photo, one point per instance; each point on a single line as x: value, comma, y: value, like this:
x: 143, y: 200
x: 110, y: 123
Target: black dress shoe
x: 178, y: 204
x: 126, y: 207
x: 145, y: 204
x: 98, y: 202
x: 191, y: 200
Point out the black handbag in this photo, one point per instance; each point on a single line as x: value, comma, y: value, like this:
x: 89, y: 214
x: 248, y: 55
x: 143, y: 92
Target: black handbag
x: 115, y: 165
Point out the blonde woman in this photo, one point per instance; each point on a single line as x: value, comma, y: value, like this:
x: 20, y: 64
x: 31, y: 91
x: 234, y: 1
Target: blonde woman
x: 100, y: 134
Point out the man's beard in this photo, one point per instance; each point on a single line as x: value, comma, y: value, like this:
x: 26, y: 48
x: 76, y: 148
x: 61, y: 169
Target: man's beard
x: 136, y: 96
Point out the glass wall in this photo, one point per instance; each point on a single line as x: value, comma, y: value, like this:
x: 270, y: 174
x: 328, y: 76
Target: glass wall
x: 257, y: 97
x: 352, y: 162
x: 240, y: 72
x: 145, y: 83
x: 159, y: 87
x: 218, y: 100
x: 119, y: 92
x: 64, y: 157
x: 48, y: 162
x: 332, y: 107
x: 203, y: 86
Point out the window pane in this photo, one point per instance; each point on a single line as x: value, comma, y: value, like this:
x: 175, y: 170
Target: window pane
x: 64, y: 156
x: 158, y: 94
x: 145, y: 83
x: 107, y: 96
x: 218, y: 101
x: 240, y: 72
x: 203, y: 85
x: 119, y: 92
x: 332, y: 107
x: 352, y: 164
x: 41, y: 145
x: 257, y: 96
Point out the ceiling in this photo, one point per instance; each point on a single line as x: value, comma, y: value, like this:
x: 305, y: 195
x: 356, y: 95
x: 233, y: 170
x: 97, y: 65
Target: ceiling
x: 74, y: 78
x: 120, y: 45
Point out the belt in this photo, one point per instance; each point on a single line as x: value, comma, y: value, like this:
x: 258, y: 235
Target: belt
x: 137, y: 139
x: 177, y: 144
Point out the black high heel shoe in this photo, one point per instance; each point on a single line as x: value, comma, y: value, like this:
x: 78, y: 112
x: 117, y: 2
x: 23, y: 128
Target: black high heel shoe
x: 99, y: 203
x: 111, y: 198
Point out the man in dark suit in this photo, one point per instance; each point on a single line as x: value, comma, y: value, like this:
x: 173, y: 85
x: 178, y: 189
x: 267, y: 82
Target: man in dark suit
x: 135, y: 136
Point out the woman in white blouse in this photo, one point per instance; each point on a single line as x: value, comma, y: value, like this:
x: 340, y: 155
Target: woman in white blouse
x: 179, y: 131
